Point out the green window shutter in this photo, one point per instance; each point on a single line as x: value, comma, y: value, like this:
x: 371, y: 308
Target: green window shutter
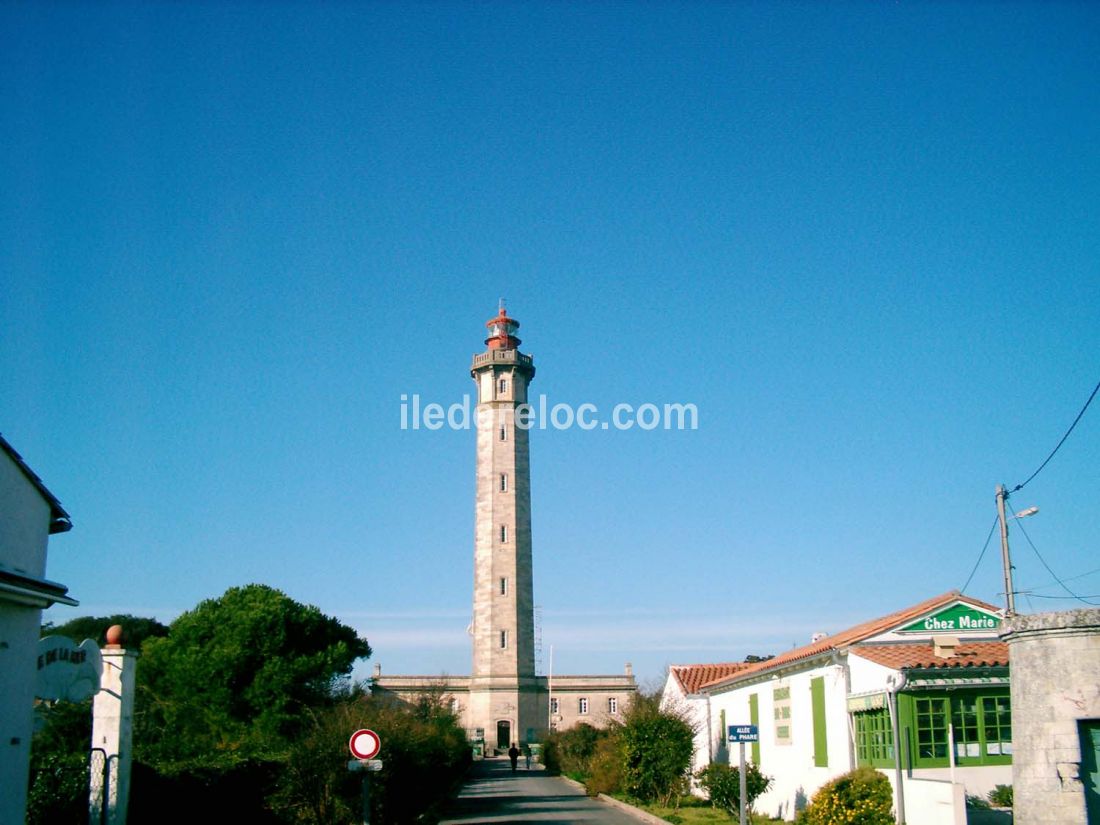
x: 754, y: 719
x: 817, y: 700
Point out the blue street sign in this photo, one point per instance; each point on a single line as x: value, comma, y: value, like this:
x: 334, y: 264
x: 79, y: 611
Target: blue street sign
x: 744, y: 733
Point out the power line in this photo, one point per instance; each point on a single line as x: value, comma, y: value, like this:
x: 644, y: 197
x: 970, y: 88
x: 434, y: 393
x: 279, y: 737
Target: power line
x: 1067, y: 579
x: 985, y: 547
x: 1039, y: 556
x: 1038, y: 596
x: 1060, y: 443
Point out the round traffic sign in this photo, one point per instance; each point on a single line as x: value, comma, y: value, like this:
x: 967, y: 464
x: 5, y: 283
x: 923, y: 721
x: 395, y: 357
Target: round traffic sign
x: 365, y: 744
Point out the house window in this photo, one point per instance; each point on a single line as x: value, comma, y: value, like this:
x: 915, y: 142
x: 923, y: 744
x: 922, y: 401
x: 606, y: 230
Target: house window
x: 554, y: 705
x: 582, y: 705
x: 503, y: 533
x: 931, y: 723
x: 981, y: 722
x: 503, y: 434
x: 503, y: 586
x: 613, y: 705
x: 781, y: 702
x: 874, y: 739
x: 503, y: 639
x: 504, y: 482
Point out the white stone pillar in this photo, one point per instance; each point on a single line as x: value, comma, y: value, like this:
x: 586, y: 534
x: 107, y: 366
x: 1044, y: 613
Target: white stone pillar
x: 112, y: 730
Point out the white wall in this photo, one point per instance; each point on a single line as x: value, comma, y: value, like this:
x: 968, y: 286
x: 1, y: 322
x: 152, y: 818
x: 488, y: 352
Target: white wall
x: 709, y: 738
x: 795, y: 777
x: 24, y: 531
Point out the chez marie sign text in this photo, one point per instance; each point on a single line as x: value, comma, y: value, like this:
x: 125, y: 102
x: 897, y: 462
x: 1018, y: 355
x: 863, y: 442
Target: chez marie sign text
x: 958, y: 618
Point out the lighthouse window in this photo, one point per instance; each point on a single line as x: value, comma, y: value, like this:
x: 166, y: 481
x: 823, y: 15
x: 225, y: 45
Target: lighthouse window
x: 503, y: 385
x: 503, y: 434
x: 503, y: 533
x: 504, y: 482
x: 503, y: 586
x: 503, y: 639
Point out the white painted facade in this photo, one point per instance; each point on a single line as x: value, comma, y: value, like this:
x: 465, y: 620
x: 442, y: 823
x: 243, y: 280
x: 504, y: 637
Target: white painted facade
x: 28, y: 515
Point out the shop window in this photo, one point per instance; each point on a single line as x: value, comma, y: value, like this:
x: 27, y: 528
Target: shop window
x: 781, y: 704
x: 874, y: 739
x: 980, y: 722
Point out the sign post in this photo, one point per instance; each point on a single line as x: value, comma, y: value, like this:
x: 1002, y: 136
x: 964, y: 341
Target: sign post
x: 742, y: 734
x: 365, y: 745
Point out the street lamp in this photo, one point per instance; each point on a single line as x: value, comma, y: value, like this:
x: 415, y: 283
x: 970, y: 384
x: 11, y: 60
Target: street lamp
x: 1010, y: 594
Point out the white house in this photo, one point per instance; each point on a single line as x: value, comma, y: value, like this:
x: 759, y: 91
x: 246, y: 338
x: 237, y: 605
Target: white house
x: 29, y: 513
x: 682, y: 693
x: 825, y: 708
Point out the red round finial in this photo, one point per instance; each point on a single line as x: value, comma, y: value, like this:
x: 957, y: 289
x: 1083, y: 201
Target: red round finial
x: 114, y: 635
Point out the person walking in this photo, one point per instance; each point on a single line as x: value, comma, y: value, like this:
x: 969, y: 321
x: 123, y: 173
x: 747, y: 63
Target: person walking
x: 527, y: 756
x: 513, y: 755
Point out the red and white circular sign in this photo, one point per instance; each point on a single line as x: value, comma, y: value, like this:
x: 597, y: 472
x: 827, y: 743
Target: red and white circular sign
x: 365, y: 744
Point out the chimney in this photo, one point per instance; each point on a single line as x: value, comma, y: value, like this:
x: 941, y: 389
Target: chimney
x: 943, y: 647
x: 377, y: 671
x: 629, y: 669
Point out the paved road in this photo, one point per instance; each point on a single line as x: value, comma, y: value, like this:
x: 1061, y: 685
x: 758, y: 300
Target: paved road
x: 492, y: 793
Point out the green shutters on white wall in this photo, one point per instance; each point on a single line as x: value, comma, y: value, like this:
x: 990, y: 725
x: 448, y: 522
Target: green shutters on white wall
x: 817, y: 700
x: 754, y: 719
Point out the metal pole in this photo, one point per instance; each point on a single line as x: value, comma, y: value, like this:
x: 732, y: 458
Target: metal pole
x: 744, y: 789
x: 1010, y: 595
x: 366, y: 799
x: 892, y: 699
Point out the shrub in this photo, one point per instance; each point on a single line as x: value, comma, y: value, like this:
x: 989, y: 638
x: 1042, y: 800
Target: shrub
x: 862, y: 797
x: 656, y: 749
x: 976, y: 803
x: 606, y: 766
x: 722, y: 785
x: 1001, y: 796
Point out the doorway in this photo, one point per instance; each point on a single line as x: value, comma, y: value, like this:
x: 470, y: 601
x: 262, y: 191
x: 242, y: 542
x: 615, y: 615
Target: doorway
x: 504, y: 735
x: 1089, y: 730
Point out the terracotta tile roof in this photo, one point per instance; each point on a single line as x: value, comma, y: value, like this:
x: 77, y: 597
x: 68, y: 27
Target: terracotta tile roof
x: 692, y: 677
x: 920, y: 654
x: 853, y: 635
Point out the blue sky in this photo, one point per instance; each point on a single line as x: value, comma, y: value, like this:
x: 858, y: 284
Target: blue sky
x: 862, y: 238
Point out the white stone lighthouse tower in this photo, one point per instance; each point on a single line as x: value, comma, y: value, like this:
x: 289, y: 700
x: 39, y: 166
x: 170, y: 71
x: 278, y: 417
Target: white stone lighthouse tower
x: 503, y: 689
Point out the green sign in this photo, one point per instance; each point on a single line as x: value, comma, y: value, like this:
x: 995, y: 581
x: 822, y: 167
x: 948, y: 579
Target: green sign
x: 958, y: 618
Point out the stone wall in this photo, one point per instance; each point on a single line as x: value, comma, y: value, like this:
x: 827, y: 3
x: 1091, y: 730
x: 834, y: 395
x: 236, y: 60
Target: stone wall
x: 1055, y: 683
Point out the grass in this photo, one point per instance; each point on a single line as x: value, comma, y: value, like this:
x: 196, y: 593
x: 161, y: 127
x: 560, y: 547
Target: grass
x: 693, y: 811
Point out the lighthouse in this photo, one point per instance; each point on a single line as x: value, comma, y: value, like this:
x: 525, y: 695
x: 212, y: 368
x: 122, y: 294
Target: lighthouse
x: 503, y: 701
x: 503, y: 688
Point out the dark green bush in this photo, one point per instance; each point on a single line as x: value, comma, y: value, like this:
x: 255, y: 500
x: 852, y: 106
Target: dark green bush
x: 1001, y: 796
x: 862, y: 796
x: 722, y: 785
x: 656, y: 749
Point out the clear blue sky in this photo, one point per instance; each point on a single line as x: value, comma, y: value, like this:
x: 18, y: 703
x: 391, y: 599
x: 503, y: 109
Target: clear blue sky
x: 863, y: 238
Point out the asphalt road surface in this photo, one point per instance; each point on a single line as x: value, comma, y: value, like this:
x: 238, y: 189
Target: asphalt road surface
x: 492, y: 793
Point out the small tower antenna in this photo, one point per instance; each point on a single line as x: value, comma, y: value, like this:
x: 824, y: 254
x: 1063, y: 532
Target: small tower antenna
x: 501, y: 306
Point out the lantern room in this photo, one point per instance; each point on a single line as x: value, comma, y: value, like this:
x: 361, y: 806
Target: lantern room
x: 502, y: 331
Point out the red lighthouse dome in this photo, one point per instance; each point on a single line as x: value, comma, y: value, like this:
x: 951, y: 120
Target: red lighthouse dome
x: 502, y: 331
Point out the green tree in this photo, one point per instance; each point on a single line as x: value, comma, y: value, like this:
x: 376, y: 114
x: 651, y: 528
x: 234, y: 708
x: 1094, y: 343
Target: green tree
x: 657, y: 746
x: 233, y: 677
x: 135, y: 629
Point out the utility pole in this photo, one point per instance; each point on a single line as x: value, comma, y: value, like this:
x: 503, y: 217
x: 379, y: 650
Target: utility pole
x: 1010, y: 595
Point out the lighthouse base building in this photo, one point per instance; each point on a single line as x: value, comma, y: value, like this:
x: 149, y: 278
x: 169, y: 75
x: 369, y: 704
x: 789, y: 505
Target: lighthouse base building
x: 503, y: 701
